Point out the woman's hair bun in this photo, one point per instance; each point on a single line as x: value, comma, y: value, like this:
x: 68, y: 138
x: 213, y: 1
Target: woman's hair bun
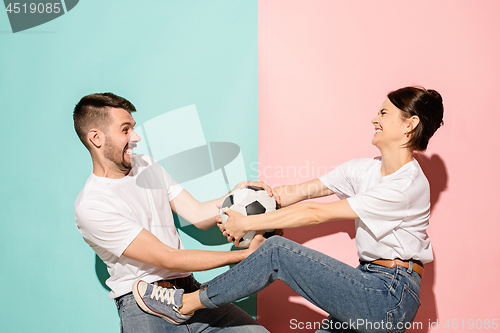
x: 435, y: 95
x: 436, y: 106
x: 427, y: 104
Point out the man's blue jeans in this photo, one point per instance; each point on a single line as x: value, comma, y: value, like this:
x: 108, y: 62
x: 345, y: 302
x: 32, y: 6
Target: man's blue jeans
x: 369, y: 298
x: 228, y: 318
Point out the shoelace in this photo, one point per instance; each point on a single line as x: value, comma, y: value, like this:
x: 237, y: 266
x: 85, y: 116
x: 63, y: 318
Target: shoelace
x: 163, y: 294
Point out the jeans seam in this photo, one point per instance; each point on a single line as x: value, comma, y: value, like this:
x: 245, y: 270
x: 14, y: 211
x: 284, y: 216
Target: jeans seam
x: 125, y: 303
x: 317, y: 261
x: 414, y: 294
x: 379, y: 272
x: 403, y: 270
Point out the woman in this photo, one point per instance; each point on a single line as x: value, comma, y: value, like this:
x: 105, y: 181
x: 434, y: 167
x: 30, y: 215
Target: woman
x: 389, y: 198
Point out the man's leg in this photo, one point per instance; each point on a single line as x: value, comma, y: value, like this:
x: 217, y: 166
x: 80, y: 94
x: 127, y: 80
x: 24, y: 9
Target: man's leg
x: 133, y: 319
x: 227, y: 318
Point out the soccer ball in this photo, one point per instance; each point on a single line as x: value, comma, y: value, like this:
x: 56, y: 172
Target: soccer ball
x: 251, y: 200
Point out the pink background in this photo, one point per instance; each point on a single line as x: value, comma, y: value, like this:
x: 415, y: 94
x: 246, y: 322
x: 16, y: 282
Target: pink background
x: 325, y: 68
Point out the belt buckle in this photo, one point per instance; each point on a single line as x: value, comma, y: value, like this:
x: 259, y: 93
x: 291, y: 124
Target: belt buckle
x: 391, y: 263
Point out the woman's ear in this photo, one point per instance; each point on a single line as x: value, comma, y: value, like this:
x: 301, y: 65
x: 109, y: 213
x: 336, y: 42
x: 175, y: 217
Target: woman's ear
x: 412, y: 123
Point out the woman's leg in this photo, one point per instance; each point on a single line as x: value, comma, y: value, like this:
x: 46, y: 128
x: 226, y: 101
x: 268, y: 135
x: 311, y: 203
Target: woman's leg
x: 369, y: 298
x: 322, y: 280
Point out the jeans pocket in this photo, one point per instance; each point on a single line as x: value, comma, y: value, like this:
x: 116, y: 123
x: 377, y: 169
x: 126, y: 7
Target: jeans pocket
x: 385, y: 275
x: 400, y: 318
x: 125, y: 303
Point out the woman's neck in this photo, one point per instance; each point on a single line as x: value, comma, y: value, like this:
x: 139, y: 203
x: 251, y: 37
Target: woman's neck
x: 393, y: 160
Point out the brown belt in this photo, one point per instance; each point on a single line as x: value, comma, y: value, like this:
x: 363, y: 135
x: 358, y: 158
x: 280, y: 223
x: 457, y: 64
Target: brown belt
x: 177, y: 283
x: 417, y: 266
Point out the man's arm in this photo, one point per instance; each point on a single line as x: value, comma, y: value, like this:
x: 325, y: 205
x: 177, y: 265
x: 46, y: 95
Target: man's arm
x: 203, y: 214
x: 200, y: 214
x: 148, y: 249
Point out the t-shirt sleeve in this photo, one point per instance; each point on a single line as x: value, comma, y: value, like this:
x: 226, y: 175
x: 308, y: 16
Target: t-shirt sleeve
x: 104, y: 228
x: 174, y: 188
x: 339, y: 180
x: 381, y: 208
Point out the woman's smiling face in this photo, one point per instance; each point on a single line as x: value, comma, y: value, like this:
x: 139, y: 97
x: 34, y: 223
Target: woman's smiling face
x: 390, y: 127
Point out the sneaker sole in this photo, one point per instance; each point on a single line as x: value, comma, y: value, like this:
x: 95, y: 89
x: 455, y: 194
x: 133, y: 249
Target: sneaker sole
x: 145, y: 308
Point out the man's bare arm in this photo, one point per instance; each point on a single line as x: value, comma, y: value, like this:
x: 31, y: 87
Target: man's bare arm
x: 203, y: 214
x: 148, y: 249
x: 200, y: 214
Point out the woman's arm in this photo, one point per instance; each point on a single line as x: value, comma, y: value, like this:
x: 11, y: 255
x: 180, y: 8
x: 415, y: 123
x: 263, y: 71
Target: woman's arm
x: 297, y: 215
x: 291, y: 194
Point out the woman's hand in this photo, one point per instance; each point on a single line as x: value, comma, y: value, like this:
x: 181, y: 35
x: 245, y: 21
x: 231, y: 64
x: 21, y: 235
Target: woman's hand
x: 234, y: 228
x: 267, y: 188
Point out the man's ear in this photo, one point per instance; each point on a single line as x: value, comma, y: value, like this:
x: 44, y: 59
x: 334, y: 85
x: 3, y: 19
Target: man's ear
x: 96, y: 137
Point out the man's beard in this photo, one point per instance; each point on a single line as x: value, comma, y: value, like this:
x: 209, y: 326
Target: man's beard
x: 112, y: 153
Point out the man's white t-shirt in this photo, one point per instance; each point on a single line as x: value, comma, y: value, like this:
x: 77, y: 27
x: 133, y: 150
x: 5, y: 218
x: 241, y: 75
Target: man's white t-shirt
x: 110, y: 213
x: 393, y: 210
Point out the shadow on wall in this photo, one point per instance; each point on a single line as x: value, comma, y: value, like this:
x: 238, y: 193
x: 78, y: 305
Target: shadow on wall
x: 209, y: 237
x: 280, y: 294
x: 101, y: 270
x: 436, y: 172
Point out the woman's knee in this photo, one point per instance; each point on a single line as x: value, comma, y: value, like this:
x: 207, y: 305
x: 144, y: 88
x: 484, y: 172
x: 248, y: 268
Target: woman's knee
x: 278, y: 241
x: 274, y: 240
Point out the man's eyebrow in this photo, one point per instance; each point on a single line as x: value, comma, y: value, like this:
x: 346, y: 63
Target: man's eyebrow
x: 127, y: 123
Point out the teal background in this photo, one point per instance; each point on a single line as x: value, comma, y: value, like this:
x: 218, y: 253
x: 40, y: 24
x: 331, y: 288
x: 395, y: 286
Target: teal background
x: 161, y: 55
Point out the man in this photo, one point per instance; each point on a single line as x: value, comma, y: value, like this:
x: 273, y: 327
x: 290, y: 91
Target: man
x: 124, y: 212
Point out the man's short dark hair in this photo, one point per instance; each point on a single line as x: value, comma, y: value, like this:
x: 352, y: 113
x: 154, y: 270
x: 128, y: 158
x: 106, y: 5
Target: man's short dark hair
x: 93, y: 112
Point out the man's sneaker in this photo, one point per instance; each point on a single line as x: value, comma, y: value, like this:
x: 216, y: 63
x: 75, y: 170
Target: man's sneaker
x: 161, y: 302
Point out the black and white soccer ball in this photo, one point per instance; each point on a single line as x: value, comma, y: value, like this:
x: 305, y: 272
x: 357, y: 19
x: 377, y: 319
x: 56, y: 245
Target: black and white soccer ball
x: 251, y: 200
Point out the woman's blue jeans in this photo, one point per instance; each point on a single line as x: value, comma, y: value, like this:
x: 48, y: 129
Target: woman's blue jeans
x: 369, y: 298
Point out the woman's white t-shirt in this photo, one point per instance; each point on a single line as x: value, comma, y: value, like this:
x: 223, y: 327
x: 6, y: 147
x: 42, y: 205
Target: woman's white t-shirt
x: 393, y: 210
